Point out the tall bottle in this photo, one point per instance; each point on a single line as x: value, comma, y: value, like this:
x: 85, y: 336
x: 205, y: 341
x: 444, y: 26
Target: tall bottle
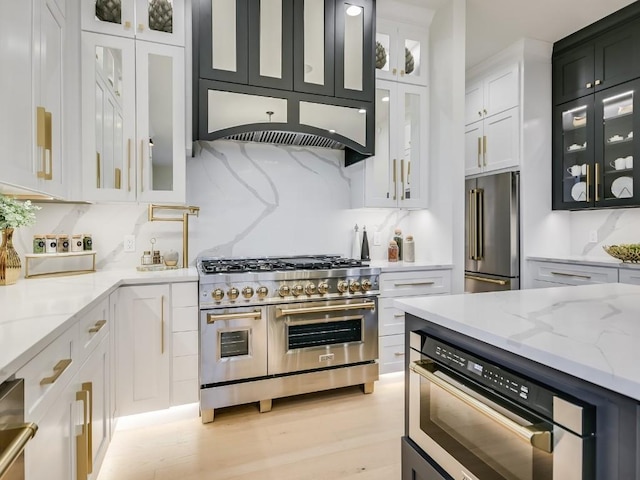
x: 397, y: 236
x: 356, y: 244
x: 364, y: 253
x: 409, y: 249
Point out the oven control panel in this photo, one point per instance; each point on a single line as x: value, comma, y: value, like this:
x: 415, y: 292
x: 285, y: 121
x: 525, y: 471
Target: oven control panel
x: 500, y: 380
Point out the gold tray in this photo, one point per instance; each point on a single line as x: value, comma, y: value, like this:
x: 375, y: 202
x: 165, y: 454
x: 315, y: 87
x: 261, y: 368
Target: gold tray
x: 629, y: 253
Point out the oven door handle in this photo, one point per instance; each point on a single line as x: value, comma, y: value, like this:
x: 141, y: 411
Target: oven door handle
x: 213, y: 317
x: 24, y: 433
x: 534, y: 434
x: 281, y: 312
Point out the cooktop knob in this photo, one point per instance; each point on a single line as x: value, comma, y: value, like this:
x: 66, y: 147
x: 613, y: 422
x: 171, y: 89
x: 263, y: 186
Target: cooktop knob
x: 343, y: 286
x: 296, y: 290
x: 323, y: 288
x: 354, y: 286
x: 366, y: 285
x: 284, y: 290
x: 247, y: 292
x: 217, y: 294
x: 262, y: 292
x: 309, y: 289
x: 233, y: 293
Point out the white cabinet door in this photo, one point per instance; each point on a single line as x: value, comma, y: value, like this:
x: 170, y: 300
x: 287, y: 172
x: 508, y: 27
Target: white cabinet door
x: 473, y: 135
x: 160, y: 21
x: 501, y: 90
x: 501, y: 140
x: 402, y: 53
x: 143, y: 328
x: 473, y: 102
x: 628, y: 275
x: 571, y: 274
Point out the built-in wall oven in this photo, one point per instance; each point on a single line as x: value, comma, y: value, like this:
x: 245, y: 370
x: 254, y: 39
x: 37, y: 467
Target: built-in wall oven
x: 14, y: 433
x: 480, y: 421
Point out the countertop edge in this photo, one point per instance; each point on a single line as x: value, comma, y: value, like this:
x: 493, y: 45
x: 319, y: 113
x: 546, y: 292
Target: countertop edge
x: 590, y: 261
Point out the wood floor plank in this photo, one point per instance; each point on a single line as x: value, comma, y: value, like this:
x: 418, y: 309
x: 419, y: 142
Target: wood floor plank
x: 341, y: 434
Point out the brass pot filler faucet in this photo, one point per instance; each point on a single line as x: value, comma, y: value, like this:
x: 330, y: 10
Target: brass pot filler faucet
x: 186, y: 211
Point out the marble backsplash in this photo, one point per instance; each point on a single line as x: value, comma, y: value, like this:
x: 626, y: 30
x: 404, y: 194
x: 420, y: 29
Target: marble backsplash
x: 612, y: 226
x: 254, y: 200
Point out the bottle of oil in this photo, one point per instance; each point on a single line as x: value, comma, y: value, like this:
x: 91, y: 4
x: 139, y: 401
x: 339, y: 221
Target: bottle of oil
x: 364, y: 253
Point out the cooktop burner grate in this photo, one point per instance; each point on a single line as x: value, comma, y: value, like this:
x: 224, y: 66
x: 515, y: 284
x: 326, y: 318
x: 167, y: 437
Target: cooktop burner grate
x: 267, y: 264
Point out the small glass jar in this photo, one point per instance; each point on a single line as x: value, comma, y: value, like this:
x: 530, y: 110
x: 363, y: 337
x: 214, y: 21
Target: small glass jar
x: 157, y: 259
x: 76, y: 243
x: 146, y: 259
x: 51, y: 244
x: 392, y: 255
x: 39, y: 243
x: 87, y: 243
x: 397, y: 236
x: 63, y: 243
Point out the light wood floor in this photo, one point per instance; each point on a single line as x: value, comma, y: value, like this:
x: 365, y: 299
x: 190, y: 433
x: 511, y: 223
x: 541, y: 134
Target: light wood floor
x: 340, y: 434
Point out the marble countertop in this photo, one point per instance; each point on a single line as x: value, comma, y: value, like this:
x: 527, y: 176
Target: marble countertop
x: 585, y: 260
x: 591, y: 332
x: 409, y: 266
x: 34, y: 311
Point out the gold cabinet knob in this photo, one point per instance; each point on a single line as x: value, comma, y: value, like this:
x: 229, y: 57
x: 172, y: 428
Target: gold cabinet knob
x: 323, y: 288
x: 343, y: 286
x: 354, y: 286
x: 297, y: 290
x: 247, y: 292
x: 284, y: 290
x: 262, y: 292
x: 217, y: 294
x: 309, y: 289
x: 366, y: 285
x: 233, y: 293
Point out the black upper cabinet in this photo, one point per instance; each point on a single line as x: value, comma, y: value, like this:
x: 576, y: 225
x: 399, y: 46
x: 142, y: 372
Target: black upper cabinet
x: 604, y: 61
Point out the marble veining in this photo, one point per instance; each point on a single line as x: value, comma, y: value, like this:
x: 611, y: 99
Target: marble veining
x: 591, y: 332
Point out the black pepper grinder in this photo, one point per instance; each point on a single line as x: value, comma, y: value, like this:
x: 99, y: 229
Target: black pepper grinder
x: 364, y: 252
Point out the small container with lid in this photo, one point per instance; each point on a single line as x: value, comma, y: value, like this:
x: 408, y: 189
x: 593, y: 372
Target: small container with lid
x: 397, y: 236
x: 409, y: 249
x: 39, y: 244
x: 157, y: 259
x: 392, y: 254
x: 87, y: 243
x: 146, y: 259
x: 51, y: 244
x: 63, y: 243
x: 76, y: 243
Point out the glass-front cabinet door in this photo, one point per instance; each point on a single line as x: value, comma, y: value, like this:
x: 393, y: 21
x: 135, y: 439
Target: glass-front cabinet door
x: 160, y: 21
x: 401, y: 53
x: 615, y: 175
x: 574, y: 168
x: 413, y: 147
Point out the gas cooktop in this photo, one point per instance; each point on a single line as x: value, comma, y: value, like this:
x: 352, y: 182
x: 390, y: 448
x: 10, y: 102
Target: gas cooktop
x: 209, y: 266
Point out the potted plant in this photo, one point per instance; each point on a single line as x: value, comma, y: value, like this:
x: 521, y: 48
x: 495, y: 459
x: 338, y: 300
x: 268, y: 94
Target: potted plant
x: 13, y: 214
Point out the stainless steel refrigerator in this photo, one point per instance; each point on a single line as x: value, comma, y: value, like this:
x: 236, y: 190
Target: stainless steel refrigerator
x: 492, y: 227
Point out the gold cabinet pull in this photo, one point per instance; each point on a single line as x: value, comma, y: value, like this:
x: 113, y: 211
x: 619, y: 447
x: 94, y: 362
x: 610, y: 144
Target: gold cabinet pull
x: 140, y: 27
x: 88, y: 387
x: 82, y: 441
x: 408, y: 170
x: 256, y: 315
x: 58, y: 370
x: 98, y: 168
x: 398, y: 354
x: 118, y: 178
x: 129, y: 164
x: 413, y: 284
x: 98, y: 326
x: 597, y: 182
x: 589, y: 85
x: 484, y: 150
x: 22, y: 434
x: 395, y: 70
x: 45, y: 142
x: 402, y: 73
x: 161, y: 324
x: 127, y: 25
x: 479, y: 151
x: 588, y: 183
x: 574, y: 275
x: 598, y: 82
x: 395, y: 180
x: 402, y: 178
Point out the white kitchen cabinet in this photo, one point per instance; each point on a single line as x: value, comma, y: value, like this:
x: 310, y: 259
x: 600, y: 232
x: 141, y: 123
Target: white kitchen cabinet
x: 397, y: 176
x: 185, y: 385
x: 402, y: 52
x: 144, y: 357
x: 393, y: 286
x: 493, y: 143
x: 32, y: 46
x: 161, y: 21
x: 550, y: 274
x: 629, y: 275
x: 492, y: 93
x: 133, y: 146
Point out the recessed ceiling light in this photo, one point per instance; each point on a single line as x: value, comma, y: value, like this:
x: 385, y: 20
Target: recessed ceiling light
x: 362, y: 110
x: 332, y: 131
x: 354, y: 10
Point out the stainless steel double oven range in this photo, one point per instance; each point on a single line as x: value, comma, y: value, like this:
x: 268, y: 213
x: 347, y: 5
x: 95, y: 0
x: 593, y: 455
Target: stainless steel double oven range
x: 275, y: 327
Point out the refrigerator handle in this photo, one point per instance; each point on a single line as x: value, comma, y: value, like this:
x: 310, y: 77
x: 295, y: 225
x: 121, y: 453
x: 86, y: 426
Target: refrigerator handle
x: 471, y: 218
x: 480, y: 224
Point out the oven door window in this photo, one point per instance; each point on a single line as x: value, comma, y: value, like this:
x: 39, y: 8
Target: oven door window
x: 484, y: 438
x: 320, y: 332
x: 235, y: 343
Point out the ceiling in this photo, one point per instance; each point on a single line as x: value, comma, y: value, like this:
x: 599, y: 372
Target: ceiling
x: 495, y: 24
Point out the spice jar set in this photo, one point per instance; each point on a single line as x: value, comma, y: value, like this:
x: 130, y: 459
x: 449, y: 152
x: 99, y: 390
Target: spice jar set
x: 401, y: 249
x: 62, y: 243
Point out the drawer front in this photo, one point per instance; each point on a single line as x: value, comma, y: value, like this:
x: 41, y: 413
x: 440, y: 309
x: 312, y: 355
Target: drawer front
x: 92, y: 328
x: 185, y: 343
x: 184, y: 294
x: 390, y: 318
x: 391, y: 353
x: 432, y: 282
x: 573, y: 274
x: 628, y: 275
x: 47, y: 374
x: 185, y: 319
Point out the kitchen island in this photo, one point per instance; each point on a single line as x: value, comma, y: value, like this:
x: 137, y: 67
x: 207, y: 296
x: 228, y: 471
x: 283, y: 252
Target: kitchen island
x: 579, y: 341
